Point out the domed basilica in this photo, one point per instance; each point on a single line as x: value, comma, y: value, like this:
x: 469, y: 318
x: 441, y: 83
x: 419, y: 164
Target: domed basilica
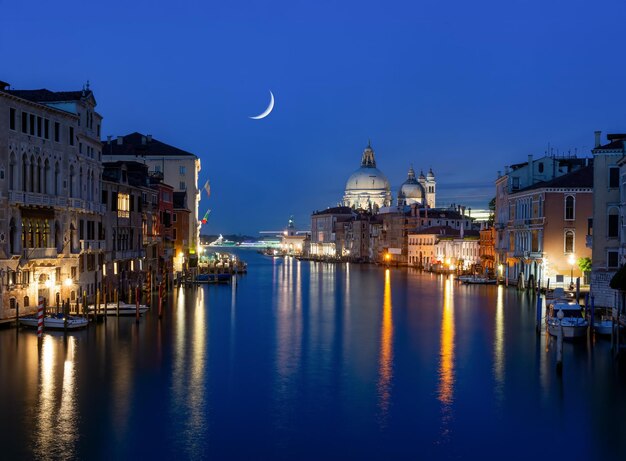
x: 368, y: 188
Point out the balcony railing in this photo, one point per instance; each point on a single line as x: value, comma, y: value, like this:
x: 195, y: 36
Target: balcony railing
x: 37, y: 199
x: 40, y: 253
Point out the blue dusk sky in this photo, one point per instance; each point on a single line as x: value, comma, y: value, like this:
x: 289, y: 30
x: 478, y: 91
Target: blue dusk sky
x: 464, y: 87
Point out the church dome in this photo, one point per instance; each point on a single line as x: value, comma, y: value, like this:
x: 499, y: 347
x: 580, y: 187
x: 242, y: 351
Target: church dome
x: 430, y: 174
x: 411, y: 190
x: 367, y: 186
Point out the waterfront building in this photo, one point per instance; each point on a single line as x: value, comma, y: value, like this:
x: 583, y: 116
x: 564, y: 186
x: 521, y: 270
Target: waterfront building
x: 444, y: 247
x: 131, y: 226
x: 292, y: 242
x: 180, y: 169
x: 324, y: 228
x: 515, y: 178
x: 51, y: 217
x: 181, y: 220
x: 161, y: 259
x: 487, y: 249
x: 604, y: 230
x: 547, y: 227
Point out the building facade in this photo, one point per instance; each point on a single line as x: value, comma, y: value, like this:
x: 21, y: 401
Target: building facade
x: 179, y: 168
x: 51, y: 216
x: 605, y: 228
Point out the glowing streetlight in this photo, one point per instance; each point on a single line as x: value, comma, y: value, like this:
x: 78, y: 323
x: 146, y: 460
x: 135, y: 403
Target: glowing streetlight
x: 68, y: 282
x: 572, y: 261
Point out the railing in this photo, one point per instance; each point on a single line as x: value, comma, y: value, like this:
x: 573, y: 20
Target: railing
x: 37, y: 199
x: 40, y: 253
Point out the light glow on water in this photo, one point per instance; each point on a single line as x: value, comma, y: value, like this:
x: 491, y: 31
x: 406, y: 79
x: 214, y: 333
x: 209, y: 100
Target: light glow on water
x: 446, y: 356
x: 385, y: 368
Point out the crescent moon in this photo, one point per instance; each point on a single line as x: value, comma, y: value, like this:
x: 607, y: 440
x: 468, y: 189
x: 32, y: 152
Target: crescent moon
x: 267, y: 111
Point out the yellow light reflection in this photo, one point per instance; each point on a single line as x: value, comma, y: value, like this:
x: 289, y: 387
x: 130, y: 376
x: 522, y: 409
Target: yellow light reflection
x: 195, y: 389
x: 446, y: 353
x: 498, y: 345
x: 44, y: 432
x: 67, y: 427
x: 385, y: 368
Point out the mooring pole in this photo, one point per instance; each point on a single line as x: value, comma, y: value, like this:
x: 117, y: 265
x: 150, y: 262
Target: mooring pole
x: 539, y: 312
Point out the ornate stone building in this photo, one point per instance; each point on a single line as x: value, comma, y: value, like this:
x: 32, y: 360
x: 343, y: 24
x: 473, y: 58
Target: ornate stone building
x: 50, y: 183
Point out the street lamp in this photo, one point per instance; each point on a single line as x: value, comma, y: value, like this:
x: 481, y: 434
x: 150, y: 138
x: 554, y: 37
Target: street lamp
x: 572, y: 261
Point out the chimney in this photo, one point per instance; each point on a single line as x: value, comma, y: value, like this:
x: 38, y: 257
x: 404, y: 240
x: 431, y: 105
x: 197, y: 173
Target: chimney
x: 120, y: 140
x: 597, y: 142
x: 109, y: 139
x: 530, y: 170
x: 149, y: 137
x: 506, y: 169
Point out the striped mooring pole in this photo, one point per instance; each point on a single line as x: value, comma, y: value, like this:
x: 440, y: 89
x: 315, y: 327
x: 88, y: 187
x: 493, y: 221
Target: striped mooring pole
x: 40, y: 318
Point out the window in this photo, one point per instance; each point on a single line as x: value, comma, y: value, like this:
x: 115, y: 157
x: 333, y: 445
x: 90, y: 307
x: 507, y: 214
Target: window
x: 174, y: 233
x: 569, y: 207
x: 71, y: 134
x: 515, y: 183
x: 569, y: 241
x: 57, y: 130
x: 123, y: 205
x: 540, y: 167
x: 46, y: 128
x: 182, y: 185
x: 24, y: 122
x: 613, y: 177
x: 613, y: 223
x: 31, y: 124
x: 182, y: 170
x: 12, y: 118
x: 612, y: 259
x: 157, y: 168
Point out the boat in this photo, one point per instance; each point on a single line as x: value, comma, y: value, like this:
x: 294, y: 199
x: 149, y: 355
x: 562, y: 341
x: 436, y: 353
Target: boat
x: 55, y: 322
x: 573, y: 323
x: 124, y: 309
x: 477, y: 280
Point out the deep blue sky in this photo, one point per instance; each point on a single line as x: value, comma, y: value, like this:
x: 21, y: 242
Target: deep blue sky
x: 462, y: 87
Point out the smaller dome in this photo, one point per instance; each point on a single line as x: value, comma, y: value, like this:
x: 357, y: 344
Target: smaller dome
x: 430, y: 175
x: 422, y: 177
x: 411, y: 191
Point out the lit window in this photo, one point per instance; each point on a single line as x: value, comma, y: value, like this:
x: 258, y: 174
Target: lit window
x: 123, y: 205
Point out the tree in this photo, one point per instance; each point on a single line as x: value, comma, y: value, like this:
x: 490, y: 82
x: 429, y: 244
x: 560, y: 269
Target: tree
x: 584, y: 264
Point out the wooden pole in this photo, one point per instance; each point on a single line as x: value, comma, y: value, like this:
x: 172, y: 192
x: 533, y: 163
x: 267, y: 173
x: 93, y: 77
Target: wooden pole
x: 117, y: 301
x: 539, y: 312
x: 17, y: 315
x: 40, y: 320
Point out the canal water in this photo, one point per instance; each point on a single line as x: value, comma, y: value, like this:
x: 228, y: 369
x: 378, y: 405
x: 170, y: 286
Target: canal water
x: 302, y: 360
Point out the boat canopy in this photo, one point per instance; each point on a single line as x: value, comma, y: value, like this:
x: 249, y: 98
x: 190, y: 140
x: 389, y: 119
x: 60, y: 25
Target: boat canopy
x: 566, y: 307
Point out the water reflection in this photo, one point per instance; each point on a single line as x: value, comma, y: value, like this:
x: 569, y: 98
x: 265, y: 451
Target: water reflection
x: 56, y: 430
x: 446, y: 357
x: 189, y: 369
x: 385, y: 370
x: 498, y: 346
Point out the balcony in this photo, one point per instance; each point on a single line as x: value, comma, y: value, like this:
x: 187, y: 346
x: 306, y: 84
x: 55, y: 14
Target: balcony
x: 48, y: 200
x: 40, y: 253
x: 92, y: 245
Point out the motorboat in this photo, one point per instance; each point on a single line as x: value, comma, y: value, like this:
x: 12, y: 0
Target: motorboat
x: 477, y: 280
x: 573, y: 323
x: 126, y: 309
x: 213, y: 278
x: 55, y: 322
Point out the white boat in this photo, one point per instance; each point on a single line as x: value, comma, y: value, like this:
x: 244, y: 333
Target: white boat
x: 55, y: 322
x: 477, y: 280
x: 573, y: 323
x: 125, y: 309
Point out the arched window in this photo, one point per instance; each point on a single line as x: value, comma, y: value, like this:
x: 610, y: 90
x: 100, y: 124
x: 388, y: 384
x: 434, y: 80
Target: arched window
x: 12, y: 172
x: 24, y: 173
x: 569, y: 207
x: 39, y: 185
x: 57, y: 173
x: 569, y: 241
x: 46, y: 177
x: 72, y: 181
x: 31, y: 174
x: 12, y: 232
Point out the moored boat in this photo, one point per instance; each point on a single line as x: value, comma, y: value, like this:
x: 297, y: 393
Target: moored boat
x: 573, y: 323
x: 477, y: 280
x: 55, y: 322
x: 124, y: 309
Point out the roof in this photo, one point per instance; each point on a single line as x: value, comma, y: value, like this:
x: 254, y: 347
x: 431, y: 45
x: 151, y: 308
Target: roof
x: 141, y: 145
x: 583, y: 177
x: 335, y: 210
x: 44, y: 95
